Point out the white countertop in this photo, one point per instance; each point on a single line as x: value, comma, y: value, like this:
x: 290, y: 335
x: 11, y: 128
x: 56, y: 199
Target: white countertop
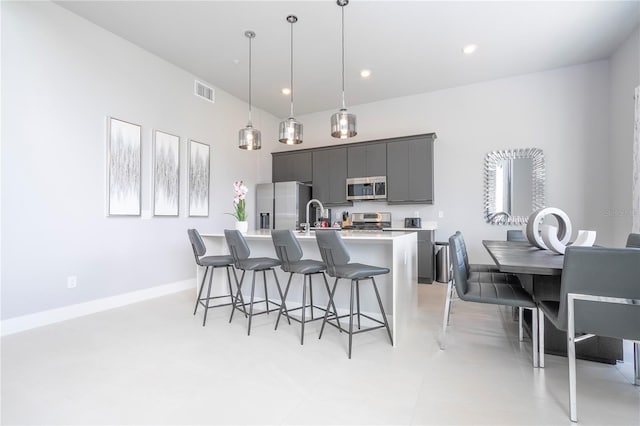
x: 346, y: 235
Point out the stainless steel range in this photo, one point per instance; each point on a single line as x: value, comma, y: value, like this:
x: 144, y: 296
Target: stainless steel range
x: 371, y: 221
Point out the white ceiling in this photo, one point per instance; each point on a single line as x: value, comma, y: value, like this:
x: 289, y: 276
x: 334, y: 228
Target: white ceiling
x: 410, y: 46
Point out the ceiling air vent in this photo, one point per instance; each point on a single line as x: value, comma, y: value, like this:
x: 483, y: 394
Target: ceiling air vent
x: 205, y: 92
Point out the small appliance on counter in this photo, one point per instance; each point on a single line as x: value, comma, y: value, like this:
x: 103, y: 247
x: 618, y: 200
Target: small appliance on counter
x: 412, y: 222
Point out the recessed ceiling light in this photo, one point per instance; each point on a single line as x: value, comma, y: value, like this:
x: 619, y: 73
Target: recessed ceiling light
x: 286, y: 91
x: 469, y: 49
x: 236, y: 61
x: 365, y: 73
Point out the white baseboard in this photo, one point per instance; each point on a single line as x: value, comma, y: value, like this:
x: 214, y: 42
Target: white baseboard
x: 39, y: 319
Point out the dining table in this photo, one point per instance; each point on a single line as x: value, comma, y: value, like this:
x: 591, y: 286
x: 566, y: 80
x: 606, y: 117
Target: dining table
x: 540, y: 274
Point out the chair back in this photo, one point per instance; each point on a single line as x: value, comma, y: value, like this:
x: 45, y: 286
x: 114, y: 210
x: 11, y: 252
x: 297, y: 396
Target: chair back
x: 633, y: 240
x: 605, y: 272
x: 287, y: 247
x: 237, y: 246
x: 515, y: 235
x: 332, y: 249
x: 199, y: 249
x: 457, y: 254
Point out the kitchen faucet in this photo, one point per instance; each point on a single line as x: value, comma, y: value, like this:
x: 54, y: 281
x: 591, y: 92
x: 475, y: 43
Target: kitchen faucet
x: 307, y: 224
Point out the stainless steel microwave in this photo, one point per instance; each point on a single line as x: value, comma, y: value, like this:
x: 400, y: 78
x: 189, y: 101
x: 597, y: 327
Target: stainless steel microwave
x: 369, y: 188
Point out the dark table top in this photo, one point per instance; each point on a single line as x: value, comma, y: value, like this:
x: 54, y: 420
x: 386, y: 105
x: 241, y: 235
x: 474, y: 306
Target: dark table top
x: 520, y: 257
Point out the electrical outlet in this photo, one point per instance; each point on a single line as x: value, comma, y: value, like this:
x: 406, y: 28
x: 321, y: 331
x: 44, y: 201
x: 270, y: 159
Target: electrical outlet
x: 72, y: 281
x: 440, y: 214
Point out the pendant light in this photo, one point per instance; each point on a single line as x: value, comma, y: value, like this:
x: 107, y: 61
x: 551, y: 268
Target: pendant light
x: 248, y: 137
x: 343, y: 123
x: 290, y: 130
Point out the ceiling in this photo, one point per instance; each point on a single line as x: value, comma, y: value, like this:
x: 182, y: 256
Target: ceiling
x: 409, y: 46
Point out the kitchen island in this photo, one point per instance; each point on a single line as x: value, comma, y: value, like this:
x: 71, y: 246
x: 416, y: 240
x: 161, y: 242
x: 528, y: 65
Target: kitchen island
x: 394, y: 250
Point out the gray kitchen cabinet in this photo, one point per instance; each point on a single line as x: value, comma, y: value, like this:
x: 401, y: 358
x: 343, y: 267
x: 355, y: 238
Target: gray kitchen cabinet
x: 410, y: 170
x: 329, y: 176
x: 292, y: 166
x: 365, y: 160
x: 425, y: 257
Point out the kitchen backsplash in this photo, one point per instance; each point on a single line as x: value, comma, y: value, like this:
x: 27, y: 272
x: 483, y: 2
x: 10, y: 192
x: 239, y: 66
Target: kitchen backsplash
x: 398, y: 212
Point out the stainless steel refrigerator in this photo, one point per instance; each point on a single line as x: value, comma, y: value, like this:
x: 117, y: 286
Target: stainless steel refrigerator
x: 281, y: 205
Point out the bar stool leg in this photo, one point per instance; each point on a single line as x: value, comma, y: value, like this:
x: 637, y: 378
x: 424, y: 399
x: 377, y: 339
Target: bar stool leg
x: 326, y: 313
x: 311, y: 294
x: 282, y: 301
x: 304, y: 307
x: 266, y: 294
x: 358, y: 300
x: 520, y: 329
x: 351, y: 316
x: 384, y: 317
x: 286, y: 292
x: 253, y: 290
x: 206, y: 309
x: 201, y: 288
x: 229, y: 282
x: 332, y: 303
x: 238, y: 296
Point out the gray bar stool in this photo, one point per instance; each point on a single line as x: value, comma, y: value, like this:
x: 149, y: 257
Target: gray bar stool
x: 290, y: 254
x: 336, y: 256
x: 240, y: 252
x: 210, y: 263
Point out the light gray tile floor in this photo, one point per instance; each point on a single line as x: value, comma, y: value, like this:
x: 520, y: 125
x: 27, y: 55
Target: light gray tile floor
x: 154, y: 363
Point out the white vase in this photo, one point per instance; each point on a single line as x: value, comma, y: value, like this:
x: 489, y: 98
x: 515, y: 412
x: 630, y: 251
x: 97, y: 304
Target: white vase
x: 242, y: 226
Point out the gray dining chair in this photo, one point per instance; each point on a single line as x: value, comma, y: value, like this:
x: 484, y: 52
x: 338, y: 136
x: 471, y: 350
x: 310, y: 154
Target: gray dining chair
x: 633, y: 240
x: 599, y: 296
x: 336, y: 256
x: 484, y: 289
x: 290, y: 255
x: 210, y: 264
x: 240, y: 252
x: 484, y: 273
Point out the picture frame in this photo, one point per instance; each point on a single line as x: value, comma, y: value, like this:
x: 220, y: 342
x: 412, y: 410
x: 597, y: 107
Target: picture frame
x: 124, y: 164
x: 166, y: 174
x: 199, y: 178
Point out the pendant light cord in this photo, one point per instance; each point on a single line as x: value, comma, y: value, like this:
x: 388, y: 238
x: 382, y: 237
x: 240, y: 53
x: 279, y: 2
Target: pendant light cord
x: 343, y: 103
x: 250, y: 124
x: 291, y: 60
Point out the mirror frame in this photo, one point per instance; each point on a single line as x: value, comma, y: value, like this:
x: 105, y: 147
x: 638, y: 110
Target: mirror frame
x: 538, y: 177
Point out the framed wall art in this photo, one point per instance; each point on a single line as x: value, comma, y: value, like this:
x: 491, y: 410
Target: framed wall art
x: 199, y: 167
x: 123, y: 166
x: 166, y: 174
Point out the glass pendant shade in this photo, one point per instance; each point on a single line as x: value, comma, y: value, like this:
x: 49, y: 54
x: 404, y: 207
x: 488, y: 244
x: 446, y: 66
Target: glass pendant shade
x: 249, y: 138
x: 343, y: 124
x: 290, y: 131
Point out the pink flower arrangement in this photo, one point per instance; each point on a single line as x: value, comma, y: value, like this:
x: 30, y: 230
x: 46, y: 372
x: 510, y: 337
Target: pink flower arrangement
x: 240, y: 190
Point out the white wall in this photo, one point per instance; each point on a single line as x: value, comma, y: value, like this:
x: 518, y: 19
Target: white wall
x: 564, y: 112
x: 61, y: 77
x: 624, y: 77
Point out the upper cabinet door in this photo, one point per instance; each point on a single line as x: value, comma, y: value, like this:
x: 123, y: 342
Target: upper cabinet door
x: 410, y: 170
x: 366, y: 160
x: 292, y: 166
x: 330, y: 175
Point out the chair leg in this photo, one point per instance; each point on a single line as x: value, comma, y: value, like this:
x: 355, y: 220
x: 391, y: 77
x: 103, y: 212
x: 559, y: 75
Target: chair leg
x: 445, y: 320
x: 304, y: 307
x: 206, y: 309
x: 636, y: 364
x: 238, y: 296
x: 571, y: 354
x: 358, y: 300
x: 520, y: 326
x: 253, y: 290
x: 335, y: 311
x: 326, y: 313
x: 311, y: 294
x: 266, y: 293
x: 286, y: 291
x: 200, y: 292
x: 540, y: 337
x: 229, y: 282
x: 282, y: 298
x: 384, y: 316
x: 351, y: 316
x: 535, y: 340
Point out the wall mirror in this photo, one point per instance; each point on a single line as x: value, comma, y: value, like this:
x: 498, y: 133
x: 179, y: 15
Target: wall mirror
x: 513, y: 185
